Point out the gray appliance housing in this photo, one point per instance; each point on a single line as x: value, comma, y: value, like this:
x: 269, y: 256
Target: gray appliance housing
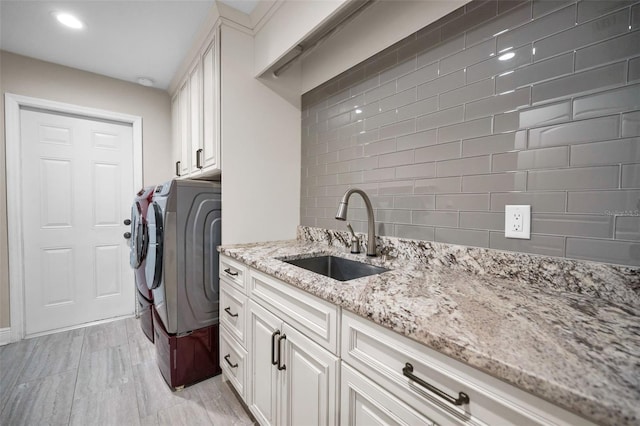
x: 185, y: 285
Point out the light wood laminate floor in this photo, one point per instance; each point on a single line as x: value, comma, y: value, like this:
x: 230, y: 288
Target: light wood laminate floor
x: 104, y: 375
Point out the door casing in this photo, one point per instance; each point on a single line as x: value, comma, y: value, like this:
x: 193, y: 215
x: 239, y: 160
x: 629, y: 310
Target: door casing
x: 12, y: 105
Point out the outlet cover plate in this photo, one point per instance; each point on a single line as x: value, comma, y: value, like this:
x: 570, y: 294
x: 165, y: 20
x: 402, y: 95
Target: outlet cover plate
x: 517, y: 222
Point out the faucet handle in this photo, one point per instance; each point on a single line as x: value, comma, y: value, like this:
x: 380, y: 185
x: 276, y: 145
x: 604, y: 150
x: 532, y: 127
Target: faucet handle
x: 355, y: 241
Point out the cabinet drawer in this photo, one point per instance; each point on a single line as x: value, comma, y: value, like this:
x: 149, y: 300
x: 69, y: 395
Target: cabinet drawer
x: 381, y: 354
x: 233, y: 311
x: 233, y: 361
x: 314, y: 317
x: 235, y: 272
x: 364, y: 403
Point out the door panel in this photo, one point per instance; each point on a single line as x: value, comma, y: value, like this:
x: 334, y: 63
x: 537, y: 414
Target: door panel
x: 310, y: 379
x: 77, y: 180
x: 262, y: 391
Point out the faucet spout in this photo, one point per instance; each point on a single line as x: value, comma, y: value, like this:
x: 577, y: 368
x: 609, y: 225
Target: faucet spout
x: 341, y: 214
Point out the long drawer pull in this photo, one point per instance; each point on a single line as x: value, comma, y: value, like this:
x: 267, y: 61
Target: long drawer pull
x: 228, y: 310
x: 273, y: 347
x: 281, y: 366
x: 233, y: 274
x: 463, y: 398
x: 226, y: 358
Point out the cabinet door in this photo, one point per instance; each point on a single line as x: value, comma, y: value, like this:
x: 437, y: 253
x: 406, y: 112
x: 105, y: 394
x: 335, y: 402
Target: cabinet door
x: 365, y: 403
x: 195, y: 141
x: 264, y: 331
x: 175, y: 130
x: 185, y: 158
x: 210, y: 156
x: 308, y: 393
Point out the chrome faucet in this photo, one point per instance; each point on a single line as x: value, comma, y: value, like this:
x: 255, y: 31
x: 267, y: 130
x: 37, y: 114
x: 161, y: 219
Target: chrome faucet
x: 341, y: 214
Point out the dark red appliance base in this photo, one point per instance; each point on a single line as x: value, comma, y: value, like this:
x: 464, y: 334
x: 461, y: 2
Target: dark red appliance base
x: 188, y: 359
x: 146, y: 316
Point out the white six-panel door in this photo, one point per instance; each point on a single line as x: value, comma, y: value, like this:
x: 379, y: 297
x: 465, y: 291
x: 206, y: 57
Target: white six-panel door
x: 77, y: 186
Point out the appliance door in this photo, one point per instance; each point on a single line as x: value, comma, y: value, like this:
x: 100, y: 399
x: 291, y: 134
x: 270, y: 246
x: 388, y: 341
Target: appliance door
x: 198, y: 298
x: 153, y: 267
x: 134, y: 256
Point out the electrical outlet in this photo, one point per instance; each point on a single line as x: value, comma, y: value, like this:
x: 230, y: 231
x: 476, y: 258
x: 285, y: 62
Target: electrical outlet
x: 517, y: 222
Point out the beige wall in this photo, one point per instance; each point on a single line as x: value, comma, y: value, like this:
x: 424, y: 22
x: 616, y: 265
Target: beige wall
x: 29, y: 77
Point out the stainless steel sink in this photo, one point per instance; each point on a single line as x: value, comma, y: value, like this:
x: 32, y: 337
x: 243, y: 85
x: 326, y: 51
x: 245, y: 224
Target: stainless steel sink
x: 337, y: 268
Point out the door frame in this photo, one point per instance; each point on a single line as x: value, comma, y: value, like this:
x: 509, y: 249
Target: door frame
x: 12, y: 105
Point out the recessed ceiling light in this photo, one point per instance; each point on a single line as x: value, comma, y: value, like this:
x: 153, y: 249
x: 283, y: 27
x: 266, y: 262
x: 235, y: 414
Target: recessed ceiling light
x: 507, y: 56
x: 145, y: 81
x: 69, y: 20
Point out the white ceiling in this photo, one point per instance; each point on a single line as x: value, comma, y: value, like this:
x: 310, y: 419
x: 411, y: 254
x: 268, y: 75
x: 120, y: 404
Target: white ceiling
x: 121, y: 39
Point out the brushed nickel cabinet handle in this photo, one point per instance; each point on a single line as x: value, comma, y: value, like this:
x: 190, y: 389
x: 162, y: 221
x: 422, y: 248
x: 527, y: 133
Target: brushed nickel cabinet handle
x: 178, y: 168
x: 199, y: 158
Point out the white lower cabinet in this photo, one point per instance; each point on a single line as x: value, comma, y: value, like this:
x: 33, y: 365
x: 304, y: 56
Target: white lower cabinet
x: 365, y: 403
x: 294, y: 380
x: 298, y: 360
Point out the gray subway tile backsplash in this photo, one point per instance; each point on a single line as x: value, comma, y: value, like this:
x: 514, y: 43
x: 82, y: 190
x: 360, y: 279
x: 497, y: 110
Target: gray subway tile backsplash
x: 464, y: 166
x: 446, y: 151
x: 545, y: 202
x: 608, y: 152
x: 545, y: 158
x: 442, y: 133
x: 438, y: 185
x: 440, y: 118
x: 545, y: 115
x: 468, y: 93
x: 466, y: 130
x: 633, y: 74
x: 506, y: 21
x: 581, y: 35
x: 495, y: 182
x: 628, y: 228
x: 625, y: 252
x: 596, y: 129
x: 468, y: 202
x: 620, y: 202
x: 588, y: 10
x: 539, y: 28
x: 534, y: 73
x: 585, y: 81
x: 631, y: 124
x: 618, y: 100
x: 495, y: 66
x: 496, y: 104
x: 630, y: 176
x: 543, y: 7
x: 470, y: 55
x: 494, y: 144
x: 600, y: 177
x: 608, y: 51
x: 546, y: 245
x: 467, y: 237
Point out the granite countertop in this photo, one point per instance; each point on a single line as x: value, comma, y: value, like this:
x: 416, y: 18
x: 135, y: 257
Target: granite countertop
x: 577, y: 351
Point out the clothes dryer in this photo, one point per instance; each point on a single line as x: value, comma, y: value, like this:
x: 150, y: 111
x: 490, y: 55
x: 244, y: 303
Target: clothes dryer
x: 184, y: 222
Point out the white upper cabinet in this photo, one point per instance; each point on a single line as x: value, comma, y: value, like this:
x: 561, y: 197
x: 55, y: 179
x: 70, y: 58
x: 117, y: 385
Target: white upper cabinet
x: 196, y: 134
x: 184, y: 163
x: 210, y: 147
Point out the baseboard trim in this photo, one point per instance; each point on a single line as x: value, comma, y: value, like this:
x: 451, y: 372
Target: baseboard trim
x: 5, y: 336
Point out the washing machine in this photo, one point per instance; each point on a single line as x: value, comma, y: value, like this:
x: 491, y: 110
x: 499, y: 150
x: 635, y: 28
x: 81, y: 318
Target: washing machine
x: 184, y: 220
x: 138, y: 241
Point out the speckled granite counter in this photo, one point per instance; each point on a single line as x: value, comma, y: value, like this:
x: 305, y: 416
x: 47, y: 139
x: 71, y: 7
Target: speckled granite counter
x: 578, y: 351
